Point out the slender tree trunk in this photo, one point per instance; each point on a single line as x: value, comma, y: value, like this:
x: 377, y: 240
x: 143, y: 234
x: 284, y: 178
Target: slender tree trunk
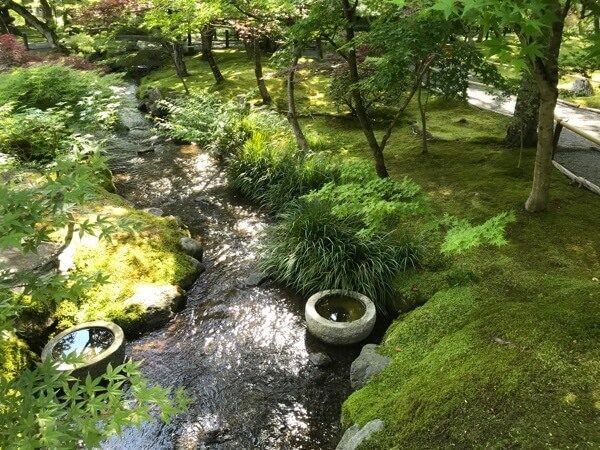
x: 540, y: 192
x: 36, y: 23
x: 292, y: 111
x: 178, y: 60
x: 425, y: 147
x: 522, y: 129
x: 47, y: 13
x: 208, y: 55
x: 546, y: 74
x: 175, y: 49
x: 319, y: 45
x: 359, y: 104
x: 258, y: 72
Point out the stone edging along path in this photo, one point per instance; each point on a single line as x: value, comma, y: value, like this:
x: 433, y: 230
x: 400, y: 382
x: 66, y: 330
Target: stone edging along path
x: 576, y: 157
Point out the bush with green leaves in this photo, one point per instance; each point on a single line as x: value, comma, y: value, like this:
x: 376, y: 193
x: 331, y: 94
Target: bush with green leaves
x: 313, y: 249
x: 32, y: 134
x: 87, y: 94
x: 207, y: 121
x: 273, y: 174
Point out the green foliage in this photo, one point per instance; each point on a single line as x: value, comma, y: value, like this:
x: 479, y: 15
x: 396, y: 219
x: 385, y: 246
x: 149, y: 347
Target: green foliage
x: 463, y: 236
x: 312, y: 249
x: 32, y: 135
x: 272, y: 173
x: 207, y: 121
x: 47, y: 408
x: 381, y: 203
x: 86, y: 94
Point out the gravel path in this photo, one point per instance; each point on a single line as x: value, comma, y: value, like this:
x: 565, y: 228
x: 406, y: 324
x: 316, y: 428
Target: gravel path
x: 577, y: 154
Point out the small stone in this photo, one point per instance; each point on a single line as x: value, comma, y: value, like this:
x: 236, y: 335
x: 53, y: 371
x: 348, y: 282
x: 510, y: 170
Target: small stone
x: 582, y: 87
x: 191, y: 278
x: 145, y: 150
x: 158, y: 303
x: 255, y: 279
x: 501, y: 341
x: 155, y: 211
x: 595, y: 279
x: 320, y: 359
x: 368, y: 364
x: 356, y: 436
x: 192, y: 247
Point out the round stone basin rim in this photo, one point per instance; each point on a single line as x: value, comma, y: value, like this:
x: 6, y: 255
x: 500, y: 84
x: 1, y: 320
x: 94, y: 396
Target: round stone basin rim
x: 117, y: 341
x: 369, y: 306
x: 340, y: 333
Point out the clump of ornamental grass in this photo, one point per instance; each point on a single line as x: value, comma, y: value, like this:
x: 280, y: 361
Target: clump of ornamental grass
x: 312, y: 249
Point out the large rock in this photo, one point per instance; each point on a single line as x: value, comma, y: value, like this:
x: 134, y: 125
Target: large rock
x: 355, y: 435
x: 152, y: 103
x: 582, y: 87
x: 192, y: 247
x: 368, y: 364
x: 158, y: 303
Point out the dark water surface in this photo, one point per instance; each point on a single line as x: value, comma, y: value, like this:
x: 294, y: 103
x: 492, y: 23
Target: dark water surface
x: 241, y: 352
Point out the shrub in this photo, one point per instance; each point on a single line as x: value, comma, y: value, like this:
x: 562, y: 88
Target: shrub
x: 32, y: 135
x: 312, y: 249
x: 381, y: 203
x: 206, y: 121
x: 13, y: 53
x: 43, y: 86
x: 273, y: 174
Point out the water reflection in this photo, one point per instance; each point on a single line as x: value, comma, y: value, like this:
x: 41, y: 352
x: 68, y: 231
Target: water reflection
x: 86, y: 343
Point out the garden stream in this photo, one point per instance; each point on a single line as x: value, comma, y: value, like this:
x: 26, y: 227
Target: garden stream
x: 241, y: 351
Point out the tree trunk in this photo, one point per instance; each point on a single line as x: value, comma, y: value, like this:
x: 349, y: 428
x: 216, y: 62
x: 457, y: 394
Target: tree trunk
x: 319, y: 45
x: 546, y: 75
x: 359, y: 104
x: 425, y: 149
x: 36, y: 23
x: 258, y: 72
x: 208, y: 55
x: 175, y: 50
x: 178, y: 61
x: 292, y: 112
x: 540, y: 192
x: 47, y: 13
x: 522, y: 129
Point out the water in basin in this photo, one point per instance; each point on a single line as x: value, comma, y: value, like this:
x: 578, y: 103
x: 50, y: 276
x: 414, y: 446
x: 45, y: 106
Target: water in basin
x: 86, y: 343
x: 338, y: 308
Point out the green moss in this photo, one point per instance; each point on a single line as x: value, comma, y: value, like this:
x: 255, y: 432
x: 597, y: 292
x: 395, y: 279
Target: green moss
x: 240, y: 80
x: 149, y: 255
x: 504, y: 351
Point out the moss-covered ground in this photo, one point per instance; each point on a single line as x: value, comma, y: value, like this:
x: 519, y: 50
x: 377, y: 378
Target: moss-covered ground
x: 504, y: 351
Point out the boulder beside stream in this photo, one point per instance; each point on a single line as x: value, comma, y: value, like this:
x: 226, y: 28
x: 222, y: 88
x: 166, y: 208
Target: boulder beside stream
x: 368, y: 364
x: 158, y: 304
x: 355, y: 435
x: 192, y: 247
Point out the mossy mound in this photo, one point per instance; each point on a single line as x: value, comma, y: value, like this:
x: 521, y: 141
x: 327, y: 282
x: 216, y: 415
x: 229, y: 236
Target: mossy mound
x: 151, y: 254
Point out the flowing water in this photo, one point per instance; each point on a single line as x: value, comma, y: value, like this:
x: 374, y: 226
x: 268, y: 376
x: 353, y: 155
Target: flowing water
x: 240, y: 351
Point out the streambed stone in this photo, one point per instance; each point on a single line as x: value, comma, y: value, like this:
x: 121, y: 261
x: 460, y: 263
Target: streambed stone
x: 192, y: 247
x: 320, y: 359
x: 255, y: 279
x: 368, y: 364
x: 355, y: 435
x: 158, y: 303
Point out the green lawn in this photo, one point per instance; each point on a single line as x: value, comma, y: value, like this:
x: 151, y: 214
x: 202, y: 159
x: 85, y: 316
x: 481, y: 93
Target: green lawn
x: 504, y: 351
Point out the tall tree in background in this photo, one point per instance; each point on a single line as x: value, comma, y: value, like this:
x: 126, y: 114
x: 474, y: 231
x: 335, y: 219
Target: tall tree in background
x: 539, y: 27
